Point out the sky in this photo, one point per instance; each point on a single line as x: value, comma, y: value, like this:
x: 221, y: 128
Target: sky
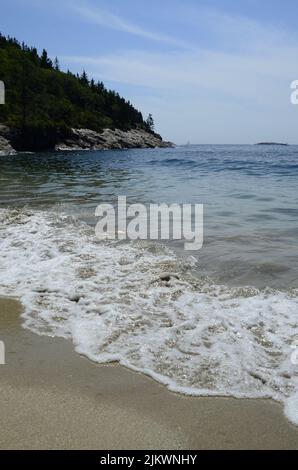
x: 216, y: 72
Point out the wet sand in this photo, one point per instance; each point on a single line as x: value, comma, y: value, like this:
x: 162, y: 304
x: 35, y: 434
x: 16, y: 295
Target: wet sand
x: 52, y: 398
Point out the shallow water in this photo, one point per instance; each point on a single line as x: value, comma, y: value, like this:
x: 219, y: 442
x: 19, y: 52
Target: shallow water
x: 226, y: 326
x: 249, y: 194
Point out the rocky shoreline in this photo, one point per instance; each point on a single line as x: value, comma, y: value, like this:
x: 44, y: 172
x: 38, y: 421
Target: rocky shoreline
x: 6, y: 138
x: 86, y: 139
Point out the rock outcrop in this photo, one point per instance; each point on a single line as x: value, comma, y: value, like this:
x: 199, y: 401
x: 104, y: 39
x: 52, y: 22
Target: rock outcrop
x: 85, y: 139
x: 5, y: 141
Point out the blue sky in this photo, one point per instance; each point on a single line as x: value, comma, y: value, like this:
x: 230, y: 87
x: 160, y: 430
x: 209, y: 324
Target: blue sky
x: 209, y: 72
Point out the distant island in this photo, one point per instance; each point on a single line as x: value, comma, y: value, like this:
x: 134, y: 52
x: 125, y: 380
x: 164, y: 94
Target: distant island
x: 47, y: 109
x: 272, y: 143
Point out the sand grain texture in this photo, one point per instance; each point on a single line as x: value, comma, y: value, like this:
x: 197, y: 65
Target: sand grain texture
x: 51, y: 398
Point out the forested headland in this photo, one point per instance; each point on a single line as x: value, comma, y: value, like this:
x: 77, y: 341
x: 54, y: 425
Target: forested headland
x: 43, y: 103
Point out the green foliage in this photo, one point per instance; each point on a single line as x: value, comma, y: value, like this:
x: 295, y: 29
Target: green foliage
x: 44, y: 103
x: 150, y: 123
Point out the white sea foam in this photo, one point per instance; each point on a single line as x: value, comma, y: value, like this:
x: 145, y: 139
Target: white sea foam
x: 196, y: 337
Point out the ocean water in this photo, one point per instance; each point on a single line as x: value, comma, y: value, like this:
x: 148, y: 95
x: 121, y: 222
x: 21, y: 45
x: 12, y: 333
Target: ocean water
x: 225, y: 324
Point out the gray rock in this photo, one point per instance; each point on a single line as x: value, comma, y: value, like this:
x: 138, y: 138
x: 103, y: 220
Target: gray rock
x: 75, y: 298
x: 5, y: 145
x: 168, y: 276
x: 85, y: 139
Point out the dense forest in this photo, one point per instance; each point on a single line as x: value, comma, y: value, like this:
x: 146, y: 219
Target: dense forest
x: 43, y: 103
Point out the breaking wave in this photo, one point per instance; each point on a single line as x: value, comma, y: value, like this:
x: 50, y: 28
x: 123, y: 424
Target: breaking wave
x: 140, y: 305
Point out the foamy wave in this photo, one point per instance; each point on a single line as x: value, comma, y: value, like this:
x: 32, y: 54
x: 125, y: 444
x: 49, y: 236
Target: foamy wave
x: 114, y: 303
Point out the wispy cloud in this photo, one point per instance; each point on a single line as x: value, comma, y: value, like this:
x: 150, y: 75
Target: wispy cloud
x: 249, y: 76
x: 102, y: 17
x: 229, y: 28
x: 236, y: 88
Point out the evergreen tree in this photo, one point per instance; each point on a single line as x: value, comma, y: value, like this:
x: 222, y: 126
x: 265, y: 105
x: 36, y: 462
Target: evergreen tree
x: 150, y: 123
x: 45, y: 62
x: 56, y: 64
x: 84, y: 78
x: 43, y: 103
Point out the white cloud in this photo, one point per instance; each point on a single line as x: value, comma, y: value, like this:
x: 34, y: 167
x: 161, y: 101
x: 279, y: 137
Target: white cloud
x: 226, y: 73
x: 102, y: 17
x: 230, y: 29
x: 229, y: 96
x: 232, y: 93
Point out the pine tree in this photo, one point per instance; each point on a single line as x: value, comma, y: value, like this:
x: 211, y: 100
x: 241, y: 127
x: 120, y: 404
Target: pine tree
x: 56, y: 64
x: 44, y: 103
x: 84, y: 78
x: 45, y: 62
x: 150, y: 123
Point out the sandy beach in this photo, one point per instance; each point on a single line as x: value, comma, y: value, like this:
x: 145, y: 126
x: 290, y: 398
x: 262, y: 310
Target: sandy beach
x: 51, y: 398
x: 148, y: 227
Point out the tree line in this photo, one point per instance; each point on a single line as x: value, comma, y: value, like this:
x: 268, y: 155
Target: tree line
x: 43, y: 103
